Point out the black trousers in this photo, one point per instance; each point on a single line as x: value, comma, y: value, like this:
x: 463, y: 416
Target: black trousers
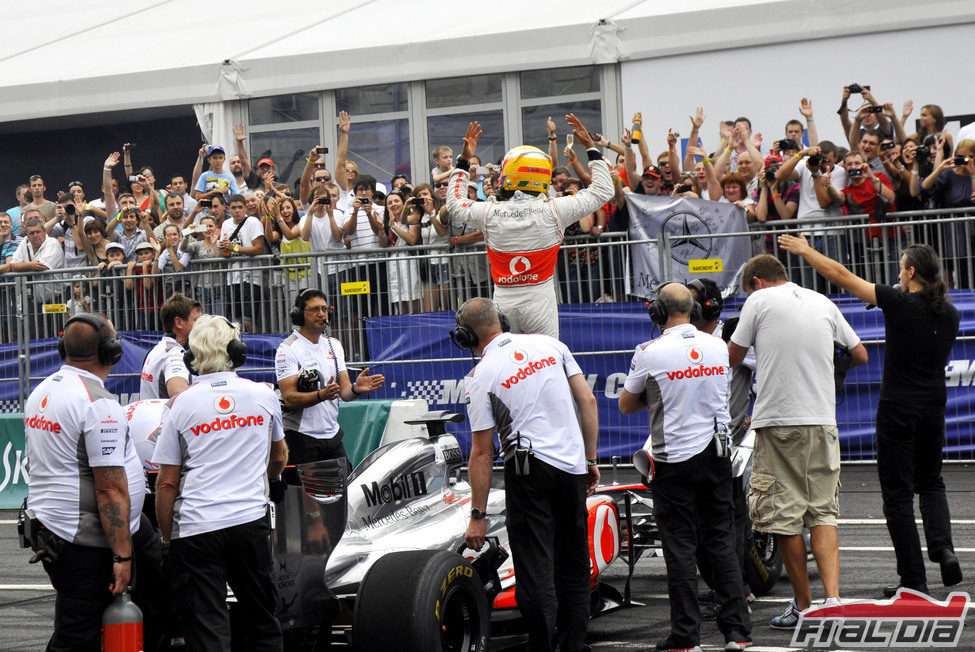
x: 302, y: 448
x: 910, y: 438
x: 548, y: 529
x: 201, y: 566
x: 688, y: 496
x: 81, y: 576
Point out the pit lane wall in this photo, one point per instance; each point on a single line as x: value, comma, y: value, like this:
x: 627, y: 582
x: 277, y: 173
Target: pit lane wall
x: 419, y: 362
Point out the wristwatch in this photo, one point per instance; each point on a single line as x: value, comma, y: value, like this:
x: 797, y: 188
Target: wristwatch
x: 477, y: 514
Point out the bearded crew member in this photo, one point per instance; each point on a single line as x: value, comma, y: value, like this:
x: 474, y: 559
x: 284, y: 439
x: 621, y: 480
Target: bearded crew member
x: 303, y: 362
x: 523, y: 232
x: 682, y: 378
x: 221, y: 442
x: 527, y: 387
x: 163, y: 373
x: 86, y: 487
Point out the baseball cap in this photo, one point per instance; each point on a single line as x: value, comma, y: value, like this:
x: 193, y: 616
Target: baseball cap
x: 215, y: 148
x: 265, y: 161
x: 652, y: 171
x: 144, y: 245
x: 773, y: 159
x: 116, y: 245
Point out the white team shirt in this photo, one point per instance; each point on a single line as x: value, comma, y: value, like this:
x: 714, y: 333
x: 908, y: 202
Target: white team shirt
x: 164, y: 362
x: 297, y: 352
x: 145, y: 420
x: 72, y: 424
x: 219, y: 431
x: 684, y: 374
x: 249, y: 232
x: 521, y: 385
x: 793, y: 330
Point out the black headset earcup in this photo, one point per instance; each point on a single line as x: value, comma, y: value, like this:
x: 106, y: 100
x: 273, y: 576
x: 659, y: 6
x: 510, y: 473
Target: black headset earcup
x: 61, y: 350
x: 237, y: 352
x: 464, y: 337
x: 696, y: 313
x: 110, y: 351
x: 188, y: 360
x: 657, y: 311
x: 297, y: 316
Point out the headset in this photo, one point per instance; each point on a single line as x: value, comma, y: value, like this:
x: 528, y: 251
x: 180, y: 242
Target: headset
x: 658, y: 311
x: 708, y: 299
x: 297, y: 313
x: 109, y: 347
x: 465, y: 337
x: 236, y: 351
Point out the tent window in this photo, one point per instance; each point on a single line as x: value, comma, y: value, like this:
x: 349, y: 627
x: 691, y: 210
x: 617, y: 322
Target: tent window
x: 446, y: 129
x: 365, y: 100
x: 458, y: 91
x: 559, y: 81
x: 381, y: 148
x: 283, y: 108
x: 533, y: 119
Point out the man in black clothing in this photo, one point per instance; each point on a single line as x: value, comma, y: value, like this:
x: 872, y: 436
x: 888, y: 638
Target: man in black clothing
x: 921, y: 327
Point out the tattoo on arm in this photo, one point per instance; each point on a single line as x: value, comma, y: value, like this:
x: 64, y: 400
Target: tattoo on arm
x: 112, y: 513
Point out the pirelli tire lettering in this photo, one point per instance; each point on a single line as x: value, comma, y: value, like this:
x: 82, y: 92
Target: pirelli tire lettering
x: 421, y: 601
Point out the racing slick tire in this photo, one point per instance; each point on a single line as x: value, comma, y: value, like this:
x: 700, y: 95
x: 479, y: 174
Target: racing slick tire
x: 763, y: 562
x: 421, y: 601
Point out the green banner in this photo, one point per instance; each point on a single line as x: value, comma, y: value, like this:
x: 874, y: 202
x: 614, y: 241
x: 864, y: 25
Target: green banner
x: 13, y: 461
x: 363, y: 423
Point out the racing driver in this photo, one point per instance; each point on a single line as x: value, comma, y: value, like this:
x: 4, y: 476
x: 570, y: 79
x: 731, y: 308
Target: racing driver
x: 523, y: 232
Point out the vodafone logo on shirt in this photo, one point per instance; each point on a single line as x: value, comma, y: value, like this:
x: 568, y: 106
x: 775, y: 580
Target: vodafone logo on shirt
x: 695, y: 372
x: 519, y: 265
x: 229, y: 423
x: 695, y: 355
x: 527, y: 370
x: 518, y: 356
x: 44, y: 401
x: 223, y: 404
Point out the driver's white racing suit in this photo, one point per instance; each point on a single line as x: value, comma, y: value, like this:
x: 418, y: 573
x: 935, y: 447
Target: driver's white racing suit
x: 523, y: 236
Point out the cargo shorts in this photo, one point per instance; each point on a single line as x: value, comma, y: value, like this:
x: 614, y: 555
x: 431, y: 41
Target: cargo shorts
x: 795, y: 479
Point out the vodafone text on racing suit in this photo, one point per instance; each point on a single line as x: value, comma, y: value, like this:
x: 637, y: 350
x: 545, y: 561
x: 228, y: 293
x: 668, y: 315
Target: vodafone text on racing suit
x: 523, y: 236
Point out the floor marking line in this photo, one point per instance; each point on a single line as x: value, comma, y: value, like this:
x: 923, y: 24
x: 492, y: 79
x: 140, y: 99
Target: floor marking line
x: 26, y: 587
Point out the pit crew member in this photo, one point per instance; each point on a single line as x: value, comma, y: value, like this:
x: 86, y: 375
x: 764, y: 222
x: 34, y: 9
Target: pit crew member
x: 221, y: 442
x: 86, y: 489
x: 303, y: 362
x: 527, y: 387
x: 682, y: 379
x: 163, y: 373
x: 523, y: 232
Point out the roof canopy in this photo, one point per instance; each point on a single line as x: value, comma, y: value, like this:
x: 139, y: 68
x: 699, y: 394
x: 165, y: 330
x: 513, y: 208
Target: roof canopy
x: 64, y: 57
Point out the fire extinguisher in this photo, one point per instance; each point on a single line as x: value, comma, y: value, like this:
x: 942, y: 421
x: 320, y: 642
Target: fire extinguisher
x: 122, y: 626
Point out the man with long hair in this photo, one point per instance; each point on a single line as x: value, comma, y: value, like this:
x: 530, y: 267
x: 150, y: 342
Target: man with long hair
x: 921, y: 327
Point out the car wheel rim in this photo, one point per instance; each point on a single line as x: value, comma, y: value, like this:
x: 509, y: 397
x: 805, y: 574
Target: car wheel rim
x: 458, y: 627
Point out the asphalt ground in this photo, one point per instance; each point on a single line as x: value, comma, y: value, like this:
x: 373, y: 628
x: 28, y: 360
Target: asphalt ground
x: 866, y: 557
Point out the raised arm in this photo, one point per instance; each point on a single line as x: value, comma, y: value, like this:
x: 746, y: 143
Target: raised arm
x: 553, y: 142
x: 646, y: 160
x: 240, y: 137
x: 831, y: 270
x: 197, y: 171
x: 345, y: 125
x: 304, y: 190
x: 899, y: 135
x: 694, y: 137
x: 672, y: 153
x: 805, y: 108
x: 844, y: 112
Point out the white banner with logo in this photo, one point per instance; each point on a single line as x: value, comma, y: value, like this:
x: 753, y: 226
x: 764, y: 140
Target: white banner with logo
x: 694, y: 252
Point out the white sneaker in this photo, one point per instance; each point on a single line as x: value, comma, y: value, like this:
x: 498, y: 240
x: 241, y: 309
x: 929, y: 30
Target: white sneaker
x: 832, y: 602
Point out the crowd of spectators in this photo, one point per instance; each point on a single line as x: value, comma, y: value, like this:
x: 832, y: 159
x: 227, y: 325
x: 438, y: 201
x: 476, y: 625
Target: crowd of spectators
x: 131, y: 247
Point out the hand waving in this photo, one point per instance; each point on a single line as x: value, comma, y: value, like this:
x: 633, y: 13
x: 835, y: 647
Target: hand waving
x: 470, y: 140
